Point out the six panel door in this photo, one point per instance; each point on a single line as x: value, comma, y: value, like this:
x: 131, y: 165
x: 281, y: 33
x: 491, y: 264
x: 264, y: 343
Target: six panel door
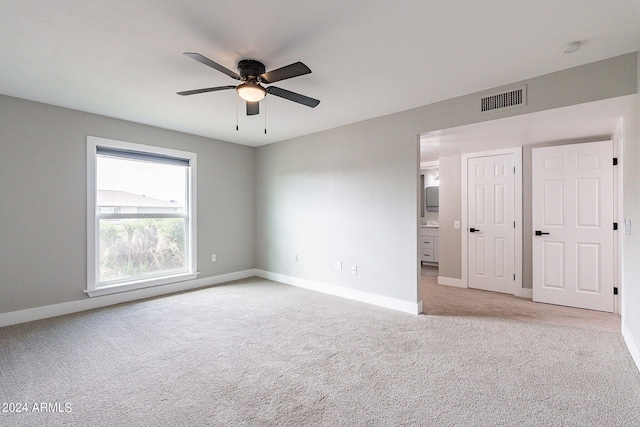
x: 490, y: 205
x: 573, y: 246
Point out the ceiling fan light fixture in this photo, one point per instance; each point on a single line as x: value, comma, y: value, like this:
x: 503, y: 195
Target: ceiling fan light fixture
x: 251, y: 92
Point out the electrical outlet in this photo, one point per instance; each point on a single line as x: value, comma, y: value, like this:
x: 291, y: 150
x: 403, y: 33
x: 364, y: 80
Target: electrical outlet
x: 456, y: 225
x: 337, y: 265
x: 354, y: 269
x: 213, y: 258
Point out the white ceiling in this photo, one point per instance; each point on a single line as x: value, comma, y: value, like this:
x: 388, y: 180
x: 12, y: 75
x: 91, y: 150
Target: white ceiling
x: 123, y: 58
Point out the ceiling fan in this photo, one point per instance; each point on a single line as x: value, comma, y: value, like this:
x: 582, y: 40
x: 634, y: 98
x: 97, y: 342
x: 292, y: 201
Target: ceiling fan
x: 252, y: 73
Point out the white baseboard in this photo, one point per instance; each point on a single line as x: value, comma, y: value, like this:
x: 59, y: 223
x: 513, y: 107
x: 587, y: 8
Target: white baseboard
x: 381, y: 301
x: 54, y: 310
x: 631, y: 345
x: 448, y: 281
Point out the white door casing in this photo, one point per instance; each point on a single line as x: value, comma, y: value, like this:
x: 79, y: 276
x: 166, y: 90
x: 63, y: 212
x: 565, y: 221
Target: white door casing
x: 573, y: 201
x: 491, y: 223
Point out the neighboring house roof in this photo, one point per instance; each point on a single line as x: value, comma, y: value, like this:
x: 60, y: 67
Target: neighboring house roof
x: 123, y: 198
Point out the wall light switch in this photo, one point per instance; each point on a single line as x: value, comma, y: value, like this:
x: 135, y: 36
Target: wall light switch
x: 213, y: 258
x: 456, y: 225
x: 337, y: 265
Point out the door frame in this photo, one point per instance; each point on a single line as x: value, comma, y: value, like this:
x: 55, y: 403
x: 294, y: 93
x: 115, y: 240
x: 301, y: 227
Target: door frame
x: 517, y: 160
x: 618, y: 211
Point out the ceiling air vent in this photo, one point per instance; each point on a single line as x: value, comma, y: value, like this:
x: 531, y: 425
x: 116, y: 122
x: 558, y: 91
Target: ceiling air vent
x: 516, y: 97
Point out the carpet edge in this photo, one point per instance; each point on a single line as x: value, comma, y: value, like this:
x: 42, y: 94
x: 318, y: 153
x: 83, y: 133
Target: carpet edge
x: 48, y: 311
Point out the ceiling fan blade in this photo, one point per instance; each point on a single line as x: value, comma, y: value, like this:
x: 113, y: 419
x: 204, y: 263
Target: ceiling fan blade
x: 293, y: 70
x: 209, y: 89
x: 253, y: 108
x: 292, y: 96
x: 206, y: 61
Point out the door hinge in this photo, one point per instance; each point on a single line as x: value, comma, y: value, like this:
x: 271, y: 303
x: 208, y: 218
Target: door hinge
x: 514, y: 170
x: 615, y: 225
x: 615, y: 161
x: 514, y: 224
x: 615, y: 290
x: 514, y: 277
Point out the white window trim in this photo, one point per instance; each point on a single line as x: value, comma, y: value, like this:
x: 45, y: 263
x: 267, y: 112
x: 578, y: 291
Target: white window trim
x: 92, y: 242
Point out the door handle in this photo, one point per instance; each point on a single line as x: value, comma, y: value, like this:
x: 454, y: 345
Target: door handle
x: 473, y: 230
x: 540, y: 233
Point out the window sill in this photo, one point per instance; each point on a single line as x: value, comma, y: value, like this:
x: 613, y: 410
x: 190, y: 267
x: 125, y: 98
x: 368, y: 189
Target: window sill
x: 139, y: 284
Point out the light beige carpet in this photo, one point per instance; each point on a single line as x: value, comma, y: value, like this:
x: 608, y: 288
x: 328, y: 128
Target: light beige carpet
x: 259, y: 353
x: 449, y: 301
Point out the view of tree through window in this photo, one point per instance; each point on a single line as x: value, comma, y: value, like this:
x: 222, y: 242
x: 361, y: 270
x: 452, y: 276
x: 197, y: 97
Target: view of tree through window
x: 141, y: 212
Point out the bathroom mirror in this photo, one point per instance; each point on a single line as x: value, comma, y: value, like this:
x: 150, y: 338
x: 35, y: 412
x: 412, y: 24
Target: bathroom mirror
x: 432, y: 198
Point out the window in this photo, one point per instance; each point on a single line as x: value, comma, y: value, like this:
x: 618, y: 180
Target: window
x: 140, y: 216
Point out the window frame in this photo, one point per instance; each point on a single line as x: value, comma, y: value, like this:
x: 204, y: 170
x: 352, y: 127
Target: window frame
x: 94, y: 287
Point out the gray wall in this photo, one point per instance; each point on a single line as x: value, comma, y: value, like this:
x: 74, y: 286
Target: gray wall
x: 348, y: 195
x: 450, y: 241
x: 43, y: 200
x: 308, y: 187
x: 631, y: 207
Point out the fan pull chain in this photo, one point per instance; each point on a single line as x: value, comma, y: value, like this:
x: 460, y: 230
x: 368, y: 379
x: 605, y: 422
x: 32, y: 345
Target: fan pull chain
x: 237, y: 107
x: 265, y: 116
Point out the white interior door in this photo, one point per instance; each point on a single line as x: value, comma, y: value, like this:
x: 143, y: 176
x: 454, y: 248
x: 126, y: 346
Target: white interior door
x: 490, y: 217
x: 573, y: 246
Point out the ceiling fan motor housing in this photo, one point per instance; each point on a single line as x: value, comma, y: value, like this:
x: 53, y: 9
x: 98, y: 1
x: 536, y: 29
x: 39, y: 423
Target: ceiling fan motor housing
x: 250, y: 69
